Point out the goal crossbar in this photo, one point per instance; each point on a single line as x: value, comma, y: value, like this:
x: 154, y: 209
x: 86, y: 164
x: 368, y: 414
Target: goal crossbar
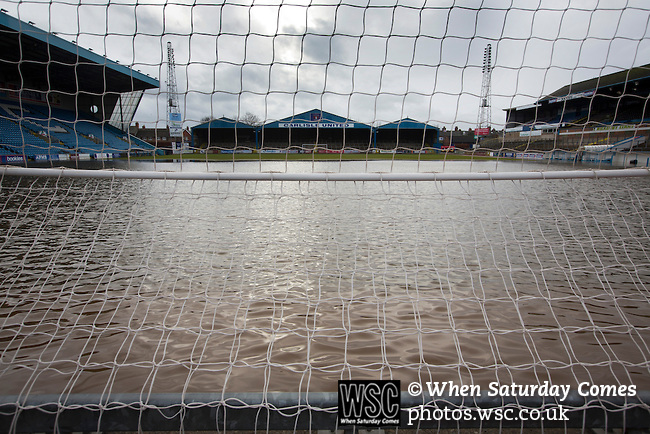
x: 323, y: 176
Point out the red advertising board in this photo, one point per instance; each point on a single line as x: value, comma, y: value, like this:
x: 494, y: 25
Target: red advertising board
x: 482, y: 131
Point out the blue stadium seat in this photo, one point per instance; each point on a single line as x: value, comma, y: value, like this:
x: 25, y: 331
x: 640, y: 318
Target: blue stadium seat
x: 70, y: 133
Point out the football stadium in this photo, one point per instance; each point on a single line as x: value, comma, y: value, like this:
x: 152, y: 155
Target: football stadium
x: 332, y: 216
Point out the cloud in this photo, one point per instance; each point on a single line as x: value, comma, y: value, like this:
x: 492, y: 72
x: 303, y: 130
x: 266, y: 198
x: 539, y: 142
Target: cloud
x: 372, y: 61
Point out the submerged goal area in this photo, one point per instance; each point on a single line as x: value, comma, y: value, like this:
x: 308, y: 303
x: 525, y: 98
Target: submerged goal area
x: 171, y: 304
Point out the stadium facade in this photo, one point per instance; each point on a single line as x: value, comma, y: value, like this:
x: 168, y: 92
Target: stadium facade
x: 60, y: 101
x: 406, y: 134
x: 314, y: 130
x: 224, y: 134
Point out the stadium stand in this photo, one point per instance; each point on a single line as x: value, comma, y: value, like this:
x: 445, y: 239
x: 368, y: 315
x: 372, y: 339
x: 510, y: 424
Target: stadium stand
x: 54, y: 115
x: 314, y: 129
x: 222, y: 134
x: 603, y: 110
x: 406, y: 134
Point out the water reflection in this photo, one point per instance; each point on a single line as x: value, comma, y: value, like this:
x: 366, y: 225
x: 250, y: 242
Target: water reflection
x: 204, y: 286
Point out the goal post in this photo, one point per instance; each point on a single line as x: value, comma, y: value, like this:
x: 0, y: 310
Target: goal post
x: 325, y: 176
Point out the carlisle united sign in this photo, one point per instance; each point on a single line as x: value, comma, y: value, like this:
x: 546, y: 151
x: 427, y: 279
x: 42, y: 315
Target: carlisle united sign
x: 316, y: 125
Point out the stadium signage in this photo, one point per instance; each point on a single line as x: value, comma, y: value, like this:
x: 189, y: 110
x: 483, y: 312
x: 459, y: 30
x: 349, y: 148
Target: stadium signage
x: 175, y: 125
x: 13, y: 159
x: 12, y: 91
x: 482, y: 131
x: 615, y: 127
x: 572, y: 96
x: 316, y: 125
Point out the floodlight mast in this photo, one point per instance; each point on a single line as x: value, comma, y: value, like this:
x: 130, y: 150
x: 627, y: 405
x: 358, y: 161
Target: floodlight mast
x: 484, y: 122
x: 174, y: 120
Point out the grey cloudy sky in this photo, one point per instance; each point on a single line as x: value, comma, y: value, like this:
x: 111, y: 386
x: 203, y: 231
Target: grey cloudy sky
x: 371, y: 61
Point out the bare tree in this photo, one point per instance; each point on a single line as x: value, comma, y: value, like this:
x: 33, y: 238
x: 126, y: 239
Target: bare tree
x: 251, y: 119
x: 207, y: 118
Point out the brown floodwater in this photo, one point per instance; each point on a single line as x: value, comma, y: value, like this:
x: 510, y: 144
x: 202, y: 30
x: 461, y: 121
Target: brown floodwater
x: 161, y: 286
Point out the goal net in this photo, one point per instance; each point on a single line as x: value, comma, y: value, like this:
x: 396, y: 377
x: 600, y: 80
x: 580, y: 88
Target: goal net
x: 213, y: 213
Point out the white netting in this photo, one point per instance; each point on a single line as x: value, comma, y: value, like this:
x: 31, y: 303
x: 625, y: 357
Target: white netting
x: 148, y: 286
x: 184, y: 288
